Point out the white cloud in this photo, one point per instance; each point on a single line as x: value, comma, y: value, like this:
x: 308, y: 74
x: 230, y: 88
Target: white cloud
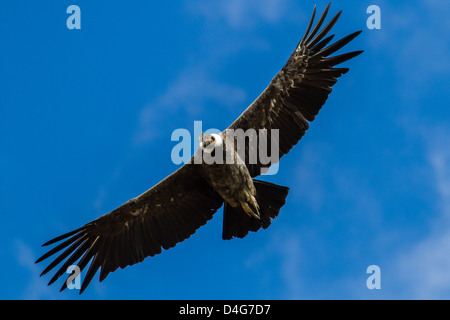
x: 310, y: 171
x: 291, y: 261
x: 284, y: 247
x: 321, y: 181
x: 416, y: 35
x: 36, y: 288
x: 242, y: 14
x: 440, y: 161
x: 186, y: 95
x: 424, y: 268
x: 195, y: 85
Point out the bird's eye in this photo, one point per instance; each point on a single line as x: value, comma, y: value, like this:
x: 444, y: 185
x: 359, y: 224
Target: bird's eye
x: 212, y: 138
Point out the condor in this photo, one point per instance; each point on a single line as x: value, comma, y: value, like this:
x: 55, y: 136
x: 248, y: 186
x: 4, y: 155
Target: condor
x: 176, y: 207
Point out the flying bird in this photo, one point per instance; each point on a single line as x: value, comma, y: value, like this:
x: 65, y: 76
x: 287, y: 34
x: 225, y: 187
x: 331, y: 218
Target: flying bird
x: 172, y: 210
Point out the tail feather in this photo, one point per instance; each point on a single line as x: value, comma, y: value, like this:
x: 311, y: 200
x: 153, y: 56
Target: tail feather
x: 270, y: 197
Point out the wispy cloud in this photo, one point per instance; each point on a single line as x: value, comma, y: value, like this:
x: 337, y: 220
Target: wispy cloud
x: 312, y: 189
x: 187, y: 95
x: 418, y: 49
x: 423, y: 268
x: 242, y: 14
x: 322, y: 181
x: 440, y: 161
x: 291, y: 261
x: 416, y: 34
x: 36, y: 288
x: 196, y: 85
x: 284, y: 247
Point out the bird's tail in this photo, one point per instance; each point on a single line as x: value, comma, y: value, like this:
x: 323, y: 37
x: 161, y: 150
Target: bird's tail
x: 270, y: 197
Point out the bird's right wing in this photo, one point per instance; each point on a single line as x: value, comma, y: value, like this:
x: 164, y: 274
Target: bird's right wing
x: 166, y: 214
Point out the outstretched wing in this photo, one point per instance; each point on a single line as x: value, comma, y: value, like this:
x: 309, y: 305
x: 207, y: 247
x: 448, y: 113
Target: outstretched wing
x: 166, y: 214
x: 296, y: 94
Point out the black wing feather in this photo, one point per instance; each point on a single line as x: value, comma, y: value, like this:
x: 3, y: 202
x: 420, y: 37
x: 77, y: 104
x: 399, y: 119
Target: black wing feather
x: 297, y: 93
x: 166, y: 214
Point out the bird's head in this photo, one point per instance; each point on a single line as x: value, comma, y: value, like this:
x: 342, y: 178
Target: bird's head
x: 208, y: 142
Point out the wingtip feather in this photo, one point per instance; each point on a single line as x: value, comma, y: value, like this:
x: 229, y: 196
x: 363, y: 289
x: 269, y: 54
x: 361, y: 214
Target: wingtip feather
x: 61, y: 237
x: 319, y: 24
x: 311, y: 21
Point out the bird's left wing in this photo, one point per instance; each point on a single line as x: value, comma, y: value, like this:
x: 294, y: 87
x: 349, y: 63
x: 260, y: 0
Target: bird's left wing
x: 164, y: 215
x: 297, y: 92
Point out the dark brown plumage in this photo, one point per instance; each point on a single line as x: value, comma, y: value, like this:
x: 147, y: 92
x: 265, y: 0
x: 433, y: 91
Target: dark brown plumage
x: 166, y: 214
x: 176, y: 207
x: 298, y: 92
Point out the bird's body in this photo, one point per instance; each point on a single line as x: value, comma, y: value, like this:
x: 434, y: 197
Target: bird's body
x: 228, y: 175
x: 172, y: 210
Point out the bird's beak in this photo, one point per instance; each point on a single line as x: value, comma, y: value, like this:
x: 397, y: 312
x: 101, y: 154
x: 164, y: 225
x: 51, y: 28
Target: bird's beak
x: 201, y: 145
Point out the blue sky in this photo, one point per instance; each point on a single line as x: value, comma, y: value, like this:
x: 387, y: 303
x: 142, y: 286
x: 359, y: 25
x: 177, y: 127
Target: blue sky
x: 86, y: 118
